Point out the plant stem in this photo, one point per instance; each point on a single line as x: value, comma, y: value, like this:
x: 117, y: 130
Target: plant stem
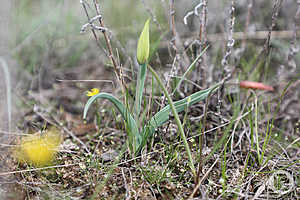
x: 139, y: 91
x: 8, y: 91
x: 256, y: 129
x: 178, y: 122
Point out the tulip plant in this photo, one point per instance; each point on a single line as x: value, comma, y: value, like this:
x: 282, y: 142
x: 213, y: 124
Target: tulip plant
x: 138, y: 134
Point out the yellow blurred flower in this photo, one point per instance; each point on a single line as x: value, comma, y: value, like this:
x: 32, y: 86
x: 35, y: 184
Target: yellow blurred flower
x: 93, y: 92
x: 143, y: 45
x: 39, y: 150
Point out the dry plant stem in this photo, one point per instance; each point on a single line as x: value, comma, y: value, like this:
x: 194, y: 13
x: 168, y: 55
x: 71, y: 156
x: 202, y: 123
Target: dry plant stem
x: 107, y: 41
x: 174, y: 69
x: 108, y: 44
x: 172, y: 24
x: 202, y: 30
x: 78, y: 80
x: 200, y: 164
x: 258, y: 35
x: 276, y: 9
x: 128, y: 196
x: 8, y: 145
x: 202, y: 179
x: 294, y: 48
x: 93, y: 31
x: 256, y: 125
x: 8, y: 91
x: 249, y: 10
x: 266, y: 50
x: 176, y: 43
x: 227, y: 71
x: 230, y: 43
x: 37, y: 169
x: 202, y: 40
x: 88, y: 16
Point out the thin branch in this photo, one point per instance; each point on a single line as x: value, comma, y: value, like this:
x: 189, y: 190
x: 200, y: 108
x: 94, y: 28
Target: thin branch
x: 294, y: 48
x: 266, y: 50
x: 8, y: 91
x: 276, y: 8
x: 227, y: 69
x: 37, y: 169
x: 107, y: 41
x: 203, y: 178
x: 249, y: 10
x: 82, y: 80
x: 83, y: 3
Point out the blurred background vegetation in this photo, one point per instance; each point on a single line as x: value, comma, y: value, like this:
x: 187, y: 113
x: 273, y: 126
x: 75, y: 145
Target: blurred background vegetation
x: 53, y: 27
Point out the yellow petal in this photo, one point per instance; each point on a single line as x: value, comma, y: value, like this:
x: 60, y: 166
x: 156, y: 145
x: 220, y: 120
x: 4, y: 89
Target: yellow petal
x: 93, y: 92
x: 39, y: 150
x: 143, y: 45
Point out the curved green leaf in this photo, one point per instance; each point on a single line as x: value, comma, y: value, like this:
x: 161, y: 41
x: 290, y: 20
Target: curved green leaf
x: 132, y: 129
x: 163, y: 115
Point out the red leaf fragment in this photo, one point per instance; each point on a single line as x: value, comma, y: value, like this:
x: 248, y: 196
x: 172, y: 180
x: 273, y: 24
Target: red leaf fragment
x: 255, y: 85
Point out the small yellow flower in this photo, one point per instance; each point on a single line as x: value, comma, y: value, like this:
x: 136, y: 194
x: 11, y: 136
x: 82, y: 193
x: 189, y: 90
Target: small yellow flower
x: 39, y: 150
x: 143, y: 45
x: 93, y: 92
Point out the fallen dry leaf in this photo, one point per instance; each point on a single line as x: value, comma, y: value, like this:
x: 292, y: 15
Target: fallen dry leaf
x: 255, y: 85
